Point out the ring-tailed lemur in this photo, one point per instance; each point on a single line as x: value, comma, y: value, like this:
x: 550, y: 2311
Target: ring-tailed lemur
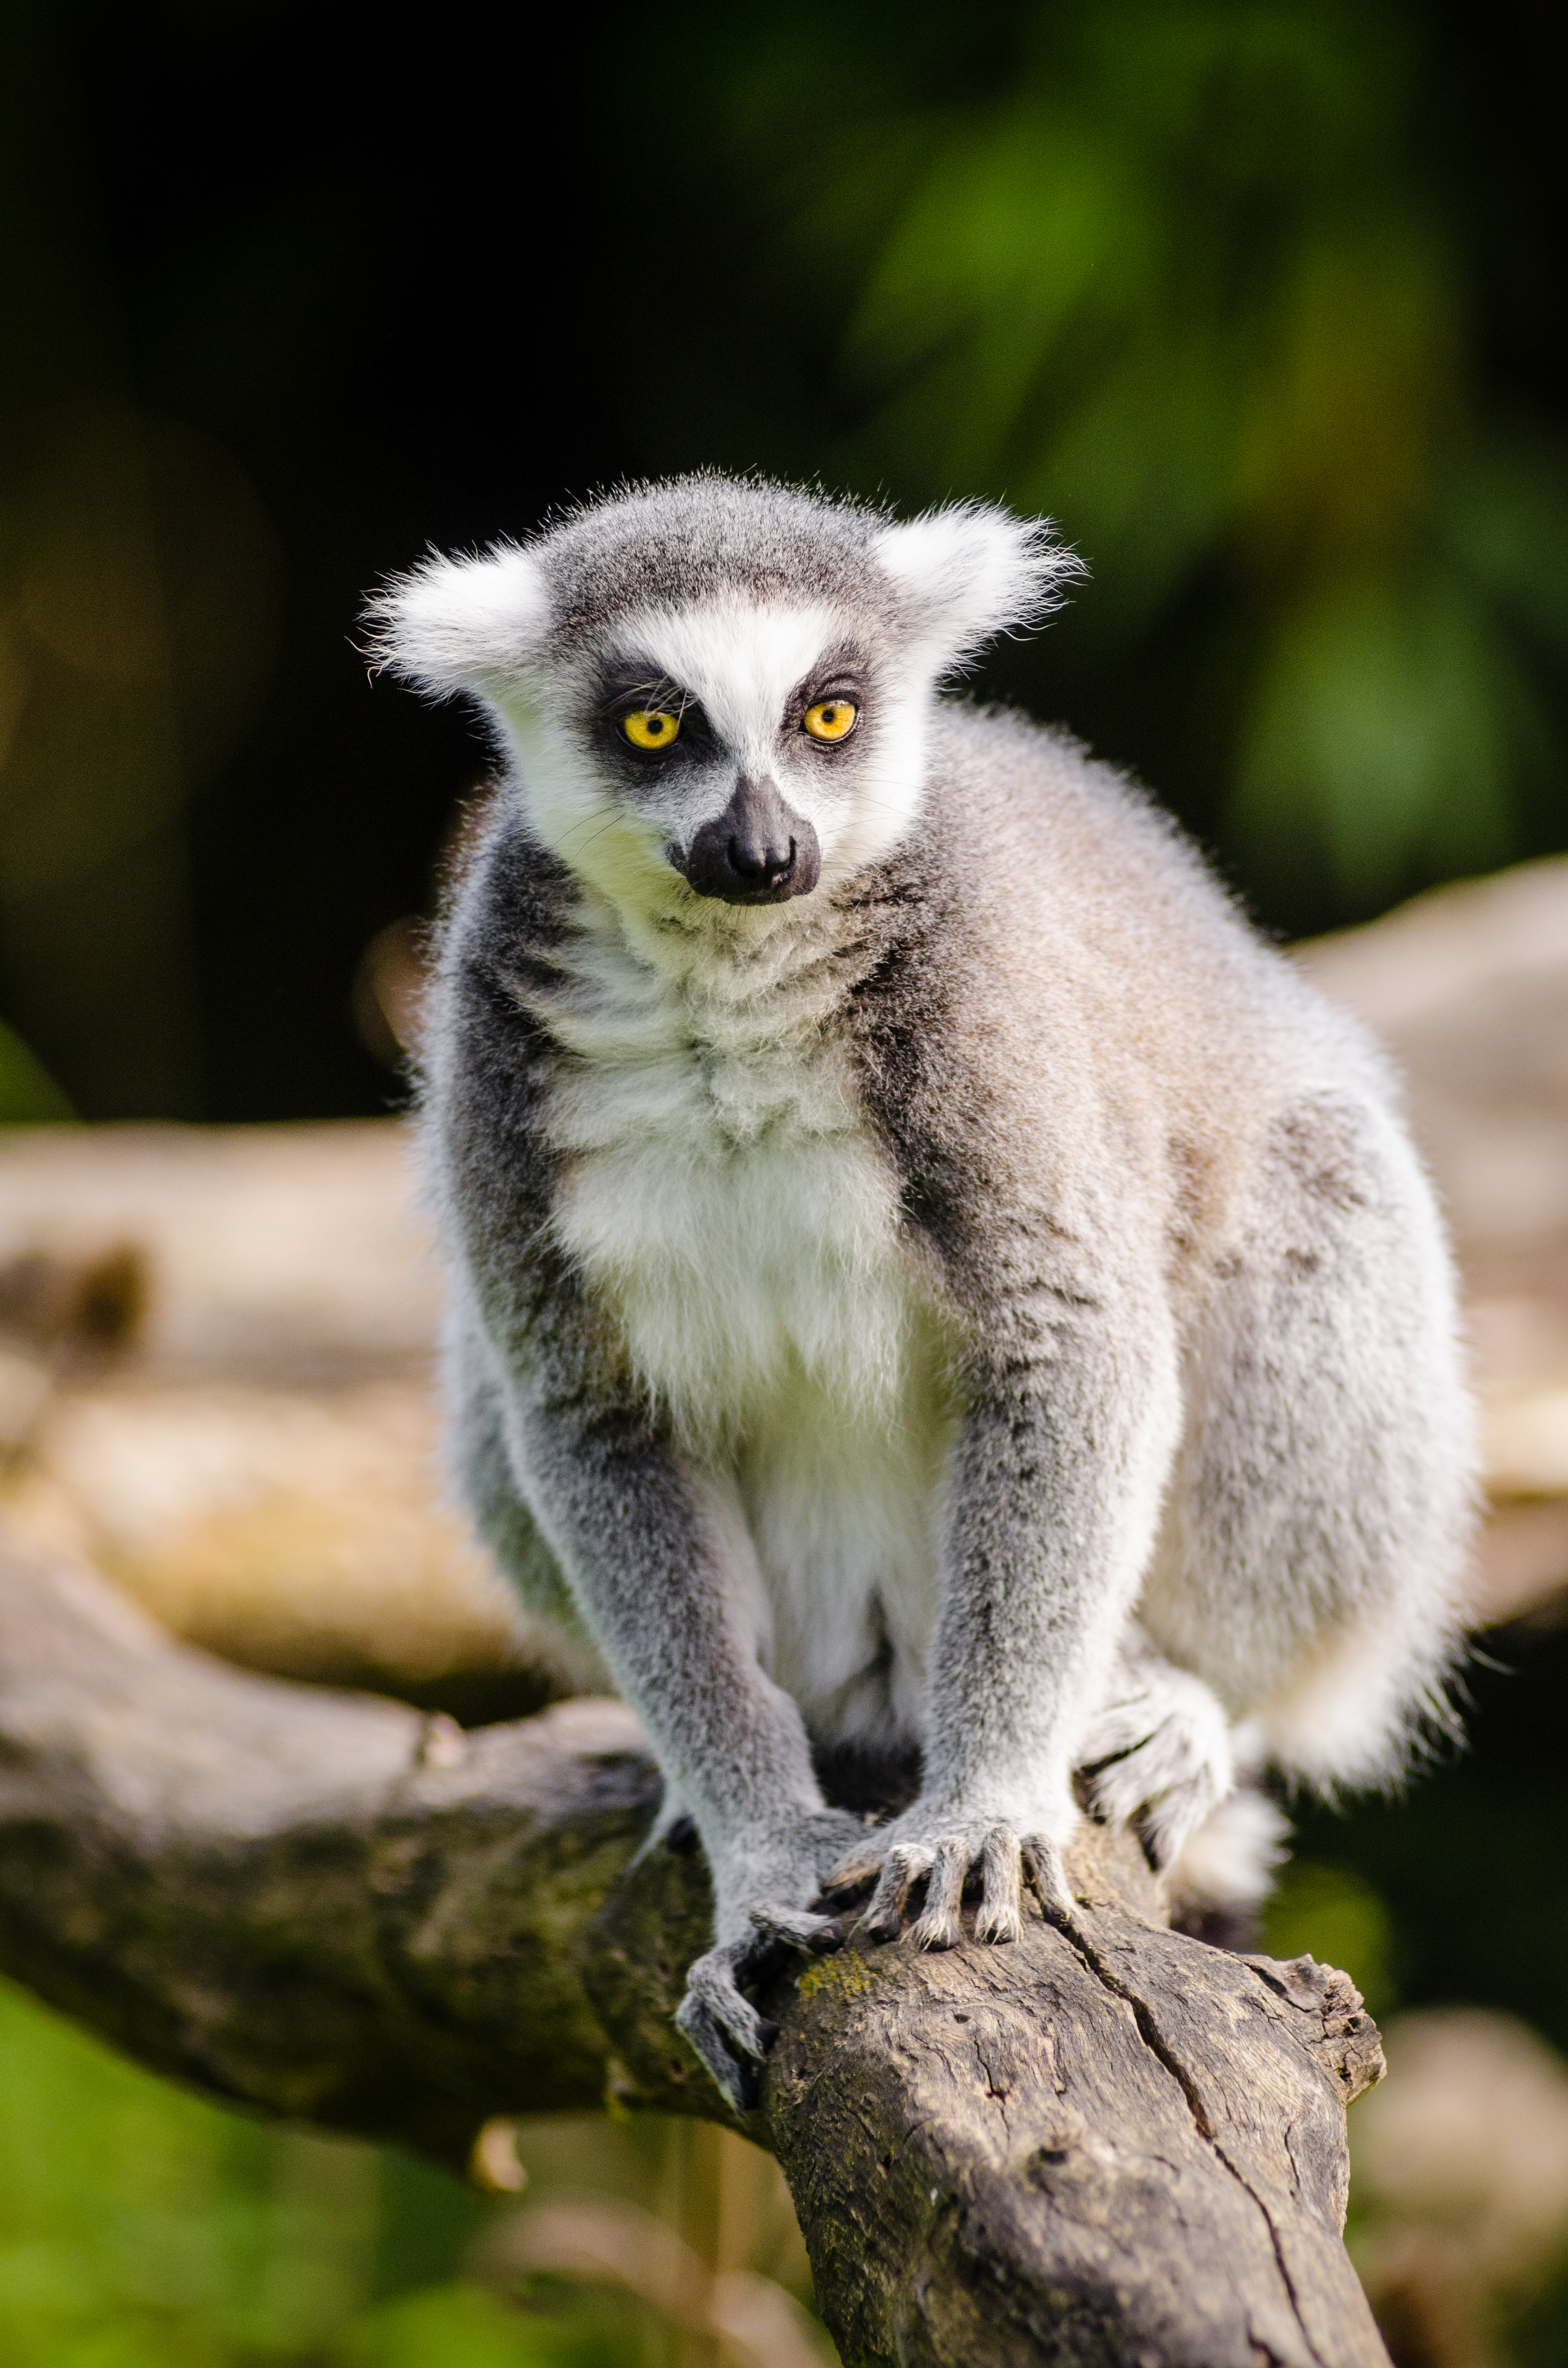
x: 924, y: 1276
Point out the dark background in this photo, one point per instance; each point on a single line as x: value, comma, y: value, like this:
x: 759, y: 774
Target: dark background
x: 1259, y: 301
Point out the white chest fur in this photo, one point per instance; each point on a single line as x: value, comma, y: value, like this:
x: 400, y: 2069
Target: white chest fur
x: 724, y: 1196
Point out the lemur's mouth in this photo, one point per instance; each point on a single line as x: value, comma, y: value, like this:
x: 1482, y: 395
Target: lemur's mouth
x: 757, y: 853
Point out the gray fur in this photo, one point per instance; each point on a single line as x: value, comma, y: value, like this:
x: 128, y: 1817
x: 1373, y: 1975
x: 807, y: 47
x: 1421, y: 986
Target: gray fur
x: 986, y: 1306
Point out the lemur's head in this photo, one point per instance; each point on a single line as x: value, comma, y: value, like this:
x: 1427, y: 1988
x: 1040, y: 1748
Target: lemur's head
x: 715, y: 687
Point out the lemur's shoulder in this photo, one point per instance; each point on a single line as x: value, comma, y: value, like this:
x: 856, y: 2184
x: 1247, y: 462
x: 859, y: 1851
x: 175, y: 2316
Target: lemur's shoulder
x: 1089, y: 896
x: 1068, y: 832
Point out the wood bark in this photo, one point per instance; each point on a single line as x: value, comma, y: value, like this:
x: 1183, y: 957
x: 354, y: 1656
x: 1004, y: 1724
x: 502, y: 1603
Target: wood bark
x: 1106, y: 2144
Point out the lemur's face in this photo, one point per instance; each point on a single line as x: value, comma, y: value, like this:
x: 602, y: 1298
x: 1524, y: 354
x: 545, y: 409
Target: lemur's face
x: 717, y: 693
x: 746, y: 751
x: 743, y: 741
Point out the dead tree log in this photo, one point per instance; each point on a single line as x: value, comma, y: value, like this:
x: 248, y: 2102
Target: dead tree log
x: 1108, y: 2143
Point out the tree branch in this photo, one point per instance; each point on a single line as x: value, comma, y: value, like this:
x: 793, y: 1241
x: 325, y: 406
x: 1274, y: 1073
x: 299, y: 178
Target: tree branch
x: 1107, y: 2145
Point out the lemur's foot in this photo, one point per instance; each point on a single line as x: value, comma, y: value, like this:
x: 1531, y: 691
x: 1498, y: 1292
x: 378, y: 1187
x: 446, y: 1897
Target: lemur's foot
x: 717, y: 2017
x: 946, y: 1851
x: 723, y: 2024
x: 1158, y: 1756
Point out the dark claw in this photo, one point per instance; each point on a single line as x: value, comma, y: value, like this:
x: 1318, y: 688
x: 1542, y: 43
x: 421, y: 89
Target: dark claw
x: 849, y: 1885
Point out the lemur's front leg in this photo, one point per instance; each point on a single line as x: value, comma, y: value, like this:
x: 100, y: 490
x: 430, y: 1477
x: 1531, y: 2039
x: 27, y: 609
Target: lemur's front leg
x: 1072, y: 1422
x: 657, y: 1568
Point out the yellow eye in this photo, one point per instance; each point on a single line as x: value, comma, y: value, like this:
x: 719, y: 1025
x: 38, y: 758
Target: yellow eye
x: 831, y: 719
x: 651, y: 727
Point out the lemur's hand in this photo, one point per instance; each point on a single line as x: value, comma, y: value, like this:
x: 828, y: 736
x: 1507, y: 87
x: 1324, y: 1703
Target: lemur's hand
x: 767, y: 1887
x: 942, y: 1845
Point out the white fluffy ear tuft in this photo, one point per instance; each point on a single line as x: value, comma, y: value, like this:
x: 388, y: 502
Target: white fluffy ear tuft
x: 460, y: 624
x: 972, y: 570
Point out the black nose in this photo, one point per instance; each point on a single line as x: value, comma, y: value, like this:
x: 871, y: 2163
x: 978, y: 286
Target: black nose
x: 757, y: 862
x: 757, y: 853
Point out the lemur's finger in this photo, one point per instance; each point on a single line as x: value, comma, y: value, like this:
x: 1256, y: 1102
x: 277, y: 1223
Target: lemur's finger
x: 858, y: 1867
x: 1000, y: 1917
x: 798, y: 1927
x: 938, y: 1926
x: 884, y: 1918
x: 1042, y: 1864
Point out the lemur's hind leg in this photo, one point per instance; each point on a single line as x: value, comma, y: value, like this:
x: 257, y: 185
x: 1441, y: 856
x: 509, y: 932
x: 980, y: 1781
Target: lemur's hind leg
x: 673, y: 1827
x: 1312, y: 1559
x: 1303, y: 1599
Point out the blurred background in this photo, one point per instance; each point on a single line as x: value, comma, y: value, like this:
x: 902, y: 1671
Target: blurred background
x: 1265, y: 304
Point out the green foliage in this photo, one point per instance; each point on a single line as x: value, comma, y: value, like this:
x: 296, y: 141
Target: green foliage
x: 1333, y: 1914
x: 1258, y: 296
x: 451, y: 2325
x: 1202, y: 277
x: 142, y: 2228
x: 27, y: 1093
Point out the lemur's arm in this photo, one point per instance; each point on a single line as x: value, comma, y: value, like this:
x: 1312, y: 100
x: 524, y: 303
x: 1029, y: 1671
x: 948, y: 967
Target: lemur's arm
x: 657, y: 1568
x: 1072, y: 1418
x: 659, y: 1572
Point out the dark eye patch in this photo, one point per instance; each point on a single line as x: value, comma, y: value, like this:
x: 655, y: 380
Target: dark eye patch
x: 627, y: 689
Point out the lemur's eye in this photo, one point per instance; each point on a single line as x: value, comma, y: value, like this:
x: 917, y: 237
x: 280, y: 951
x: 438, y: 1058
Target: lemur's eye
x: 651, y: 727
x: 831, y: 719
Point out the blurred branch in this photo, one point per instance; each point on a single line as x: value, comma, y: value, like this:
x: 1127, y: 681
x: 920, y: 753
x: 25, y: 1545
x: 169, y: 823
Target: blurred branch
x: 1109, y: 2144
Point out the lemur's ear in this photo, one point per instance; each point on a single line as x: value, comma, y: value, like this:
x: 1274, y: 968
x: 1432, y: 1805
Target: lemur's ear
x: 972, y: 570
x: 462, y: 624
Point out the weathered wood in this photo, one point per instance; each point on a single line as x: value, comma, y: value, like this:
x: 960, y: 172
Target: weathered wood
x: 1108, y: 2143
